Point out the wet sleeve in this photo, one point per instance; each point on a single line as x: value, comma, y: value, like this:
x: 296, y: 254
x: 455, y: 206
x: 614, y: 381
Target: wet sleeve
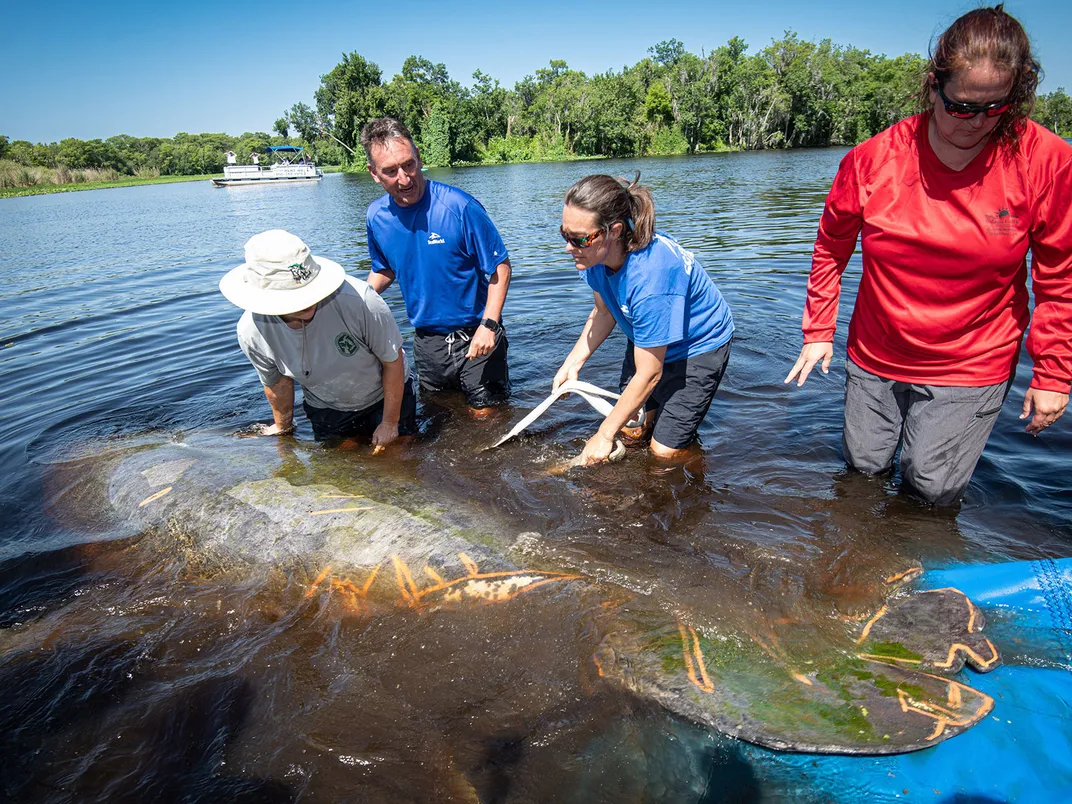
x: 659, y: 320
x: 482, y: 239
x: 256, y: 350
x: 379, y: 261
x: 839, y: 228
x: 1050, y: 340
x: 382, y: 335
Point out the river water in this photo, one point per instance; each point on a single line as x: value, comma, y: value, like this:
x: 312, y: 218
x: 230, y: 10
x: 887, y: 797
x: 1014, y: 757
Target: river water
x: 129, y: 675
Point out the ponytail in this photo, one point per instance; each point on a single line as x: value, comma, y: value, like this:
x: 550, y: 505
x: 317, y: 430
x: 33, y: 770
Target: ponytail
x: 617, y: 201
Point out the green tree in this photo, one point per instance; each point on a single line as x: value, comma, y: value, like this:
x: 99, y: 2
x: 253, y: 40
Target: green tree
x: 1055, y: 112
x: 348, y: 97
x: 282, y: 127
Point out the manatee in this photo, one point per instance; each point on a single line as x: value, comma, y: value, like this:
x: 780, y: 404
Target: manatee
x: 365, y: 534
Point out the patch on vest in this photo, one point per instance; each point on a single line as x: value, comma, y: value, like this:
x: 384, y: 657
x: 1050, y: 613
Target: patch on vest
x: 345, y: 343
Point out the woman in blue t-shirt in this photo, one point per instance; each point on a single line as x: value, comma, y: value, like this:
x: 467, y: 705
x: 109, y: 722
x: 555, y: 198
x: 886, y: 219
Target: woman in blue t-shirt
x: 679, y: 326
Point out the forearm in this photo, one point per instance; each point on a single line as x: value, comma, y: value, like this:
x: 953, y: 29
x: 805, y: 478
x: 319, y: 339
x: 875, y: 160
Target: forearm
x: 379, y: 282
x: 599, y: 325
x: 281, y: 399
x: 839, y: 229
x: 634, y: 396
x: 394, y: 383
x: 498, y: 285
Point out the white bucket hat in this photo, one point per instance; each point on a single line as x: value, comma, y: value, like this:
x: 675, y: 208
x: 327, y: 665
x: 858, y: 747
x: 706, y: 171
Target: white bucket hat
x: 280, y: 276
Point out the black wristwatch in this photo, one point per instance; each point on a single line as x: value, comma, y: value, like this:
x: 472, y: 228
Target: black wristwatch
x: 491, y: 324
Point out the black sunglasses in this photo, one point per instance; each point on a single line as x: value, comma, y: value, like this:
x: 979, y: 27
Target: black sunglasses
x: 579, y: 241
x: 966, y: 111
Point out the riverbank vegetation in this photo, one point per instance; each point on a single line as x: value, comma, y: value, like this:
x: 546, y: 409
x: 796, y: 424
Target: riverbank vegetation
x: 792, y: 93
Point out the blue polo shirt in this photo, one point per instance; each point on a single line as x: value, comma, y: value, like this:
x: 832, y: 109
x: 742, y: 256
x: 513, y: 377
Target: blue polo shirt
x: 662, y: 296
x: 442, y: 250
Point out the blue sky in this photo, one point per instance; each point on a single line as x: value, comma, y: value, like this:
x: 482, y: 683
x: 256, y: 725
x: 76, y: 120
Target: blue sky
x: 94, y: 69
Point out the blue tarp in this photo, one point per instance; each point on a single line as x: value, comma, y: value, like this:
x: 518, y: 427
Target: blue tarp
x: 1022, y: 752
x: 285, y: 148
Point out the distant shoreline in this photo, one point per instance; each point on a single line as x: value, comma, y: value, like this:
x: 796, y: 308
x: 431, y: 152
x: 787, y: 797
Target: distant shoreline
x: 127, y: 181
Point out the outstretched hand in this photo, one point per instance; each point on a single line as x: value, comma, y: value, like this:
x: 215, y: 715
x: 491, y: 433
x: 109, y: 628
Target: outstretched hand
x: 1048, y: 407
x: 811, y: 354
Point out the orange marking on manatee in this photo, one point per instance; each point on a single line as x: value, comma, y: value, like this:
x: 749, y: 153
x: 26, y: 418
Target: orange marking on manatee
x: 598, y: 664
x: 694, y: 660
x: 469, y: 564
x: 319, y: 580
x: 431, y: 573
x: 867, y: 628
x: 371, y: 578
x: 154, y: 497
x: 406, y: 584
x: 956, y: 646
x: 908, y: 574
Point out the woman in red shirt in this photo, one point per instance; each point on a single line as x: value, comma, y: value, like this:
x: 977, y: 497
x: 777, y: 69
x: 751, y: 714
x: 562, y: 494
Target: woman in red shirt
x: 947, y: 204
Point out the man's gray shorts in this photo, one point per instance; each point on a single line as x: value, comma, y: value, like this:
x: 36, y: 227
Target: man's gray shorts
x: 942, y: 430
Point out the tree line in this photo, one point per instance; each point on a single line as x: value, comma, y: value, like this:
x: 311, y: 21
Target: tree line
x: 792, y: 93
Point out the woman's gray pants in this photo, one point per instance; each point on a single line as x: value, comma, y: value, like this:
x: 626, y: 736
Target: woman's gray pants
x: 942, y: 430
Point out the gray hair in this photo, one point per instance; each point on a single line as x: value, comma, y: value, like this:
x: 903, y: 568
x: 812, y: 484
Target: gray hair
x: 380, y: 131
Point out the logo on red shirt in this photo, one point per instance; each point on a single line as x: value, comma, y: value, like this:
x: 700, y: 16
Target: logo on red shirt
x: 1002, y: 222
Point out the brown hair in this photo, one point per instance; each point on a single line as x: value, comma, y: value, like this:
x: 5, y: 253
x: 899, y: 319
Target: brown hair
x: 380, y: 131
x: 617, y: 201
x: 994, y: 36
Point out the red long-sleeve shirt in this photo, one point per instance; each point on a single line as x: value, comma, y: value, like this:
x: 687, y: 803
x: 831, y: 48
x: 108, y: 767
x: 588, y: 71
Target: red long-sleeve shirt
x: 943, y: 299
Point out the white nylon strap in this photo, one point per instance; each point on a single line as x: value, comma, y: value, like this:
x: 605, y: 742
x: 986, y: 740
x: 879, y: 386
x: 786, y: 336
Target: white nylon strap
x: 592, y: 394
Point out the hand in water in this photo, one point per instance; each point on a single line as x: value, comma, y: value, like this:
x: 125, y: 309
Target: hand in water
x: 269, y: 430
x: 597, y: 450
x: 811, y: 354
x: 1048, y: 407
x: 384, y: 434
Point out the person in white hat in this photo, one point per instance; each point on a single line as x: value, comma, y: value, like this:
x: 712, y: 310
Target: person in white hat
x: 307, y: 321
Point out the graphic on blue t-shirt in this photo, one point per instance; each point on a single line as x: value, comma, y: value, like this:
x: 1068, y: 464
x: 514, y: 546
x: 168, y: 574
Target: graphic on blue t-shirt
x: 662, y: 296
x: 442, y: 250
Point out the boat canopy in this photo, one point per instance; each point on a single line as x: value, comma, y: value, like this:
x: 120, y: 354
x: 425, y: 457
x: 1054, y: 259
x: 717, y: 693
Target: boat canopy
x: 287, y: 149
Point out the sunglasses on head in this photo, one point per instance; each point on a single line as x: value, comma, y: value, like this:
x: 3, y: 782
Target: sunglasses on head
x: 966, y: 111
x: 579, y: 241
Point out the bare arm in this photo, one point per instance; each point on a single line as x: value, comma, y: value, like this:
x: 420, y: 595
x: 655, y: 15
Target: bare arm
x: 281, y: 399
x: 484, y: 339
x: 379, y: 282
x: 394, y: 383
x: 599, y: 325
x: 649, y: 369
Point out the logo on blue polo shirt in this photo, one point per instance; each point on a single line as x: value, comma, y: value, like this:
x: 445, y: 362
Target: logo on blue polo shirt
x: 435, y: 240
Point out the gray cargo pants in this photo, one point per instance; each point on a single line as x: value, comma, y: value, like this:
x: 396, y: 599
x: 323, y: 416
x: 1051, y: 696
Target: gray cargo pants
x: 942, y: 430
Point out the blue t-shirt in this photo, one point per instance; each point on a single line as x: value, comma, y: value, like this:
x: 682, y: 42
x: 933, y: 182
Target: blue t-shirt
x: 442, y: 250
x: 662, y: 296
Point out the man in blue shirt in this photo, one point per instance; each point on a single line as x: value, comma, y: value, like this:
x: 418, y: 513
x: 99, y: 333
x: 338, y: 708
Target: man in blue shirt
x: 451, y: 266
